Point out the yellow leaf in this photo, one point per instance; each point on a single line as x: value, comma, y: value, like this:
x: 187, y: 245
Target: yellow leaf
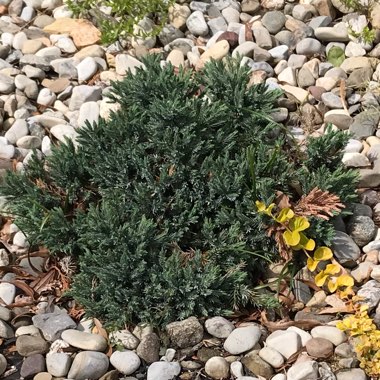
x: 263, y: 209
x: 306, y: 243
x: 321, y: 278
x: 345, y: 280
x: 260, y: 206
x: 323, y: 253
x: 291, y: 238
x: 332, y: 269
x: 332, y: 285
x: 311, y: 264
x: 285, y: 215
x: 299, y: 223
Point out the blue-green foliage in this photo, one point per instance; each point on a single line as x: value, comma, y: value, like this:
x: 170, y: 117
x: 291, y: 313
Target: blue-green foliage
x: 158, y: 203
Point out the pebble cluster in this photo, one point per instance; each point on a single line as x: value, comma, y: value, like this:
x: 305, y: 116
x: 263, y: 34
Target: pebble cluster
x: 54, y: 75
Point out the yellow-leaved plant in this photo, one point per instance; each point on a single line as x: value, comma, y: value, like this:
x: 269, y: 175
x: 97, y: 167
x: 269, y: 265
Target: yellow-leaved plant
x: 366, y: 339
x: 292, y: 229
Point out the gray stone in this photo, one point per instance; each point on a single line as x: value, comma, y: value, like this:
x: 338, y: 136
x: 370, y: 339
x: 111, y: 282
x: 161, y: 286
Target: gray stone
x: 88, y: 365
x: 253, y: 362
x: 219, y: 327
x: 5, y: 314
x: 33, y: 60
x: 307, y: 370
x: 58, y: 363
x: 196, y: 24
x: 339, y: 118
x: 186, y: 333
x: 7, y: 290
x: 6, y: 331
x: 345, y: 249
x: 309, y: 47
x: 362, y: 229
x: 351, y: 374
x: 272, y: 357
x: 29, y: 142
x: 274, y: 21
x: 360, y: 77
x: 52, y: 324
x: 163, y: 371
x: 365, y: 123
x: 370, y: 292
x: 82, y: 94
x: 126, y: 362
x: 286, y: 343
x: 125, y: 338
x: 18, y: 129
x: 149, y: 348
x: 29, y: 345
x: 217, y: 368
x: 331, y: 100
x: 6, y: 84
x: 84, y: 340
x: 3, y: 364
x: 32, y: 365
x: 242, y: 339
x: 262, y: 38
x: 337, y: 33
x: 217, y: 24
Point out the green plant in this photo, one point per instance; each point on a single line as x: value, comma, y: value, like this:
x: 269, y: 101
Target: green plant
x: 158, y: 202
x: 124, y: 16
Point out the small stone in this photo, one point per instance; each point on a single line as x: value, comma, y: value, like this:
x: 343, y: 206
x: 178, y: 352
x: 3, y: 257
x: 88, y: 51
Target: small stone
x: 242, y: 339
x: 125, y: 63
x: 43, y: 376
x: 304, y: 335
x: 3, y: 364
x: 272, y: 357
x: 309, y: 47
x: 53, y: 324
x: 365, y: 123
x: 126, y: 362
x: 84, y: 340
x: 351, y: 374
x: 344, y: 350
x: 331, y: 333
x: 274, y: 21
x: 362, y: 229
x: 186, y: 333
x: 331, y: 100
x: 27, y: 330
x: 58, y: 364
x: 370, y: 293
x: 5, y: 314
x: 163, y: 371
x: 219, y: 327
x: 217, y: 368
x: 286, y: 343
x: 337, y: 33
x: 6, y: 331
x: 196, y: 24
x: 307, y: 370
x: 319, y: 348
x: 355, y: 160
x: 126, y: 338
x: 339, y: 118
x: 88, y: 364
x: 149, y: 348
x: 82, y: 94
x: 32, y: 365
x: 176, y: 58
x: 7, y: 291
x: 253, y: 362
x: 217, y: 52
x: 27, y: 345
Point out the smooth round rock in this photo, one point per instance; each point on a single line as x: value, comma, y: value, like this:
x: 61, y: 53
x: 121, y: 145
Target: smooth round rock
x: 219, y: 327
x: 242, y: 339
x: 84, y: 340
x: 331, y: 333
x: 126, y: 362
x: 319, y: 348
x: 163, y: 371
x: 88, y: 365
x: 217, y: 368
x: 58, y: 364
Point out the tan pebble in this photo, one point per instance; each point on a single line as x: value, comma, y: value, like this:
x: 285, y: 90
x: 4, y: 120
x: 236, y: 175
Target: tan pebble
x: 43, y: 376
x: 319, y: 348
x: 366, y: 148
x: 176, y: 58
x: 217, y: 52
x: 32, y: 46
x: 373, y: 140
x: 372, y: 256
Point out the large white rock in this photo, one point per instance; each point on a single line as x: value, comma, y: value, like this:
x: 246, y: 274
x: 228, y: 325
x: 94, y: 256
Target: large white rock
x: 242, y: 339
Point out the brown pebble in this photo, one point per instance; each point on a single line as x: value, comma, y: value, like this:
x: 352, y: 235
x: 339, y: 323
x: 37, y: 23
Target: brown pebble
x: 319, y: 348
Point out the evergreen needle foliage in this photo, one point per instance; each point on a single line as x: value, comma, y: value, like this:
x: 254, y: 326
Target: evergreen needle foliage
x: 158, y: 203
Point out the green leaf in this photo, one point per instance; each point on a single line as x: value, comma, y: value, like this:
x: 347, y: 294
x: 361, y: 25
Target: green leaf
x: 336, y: 56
